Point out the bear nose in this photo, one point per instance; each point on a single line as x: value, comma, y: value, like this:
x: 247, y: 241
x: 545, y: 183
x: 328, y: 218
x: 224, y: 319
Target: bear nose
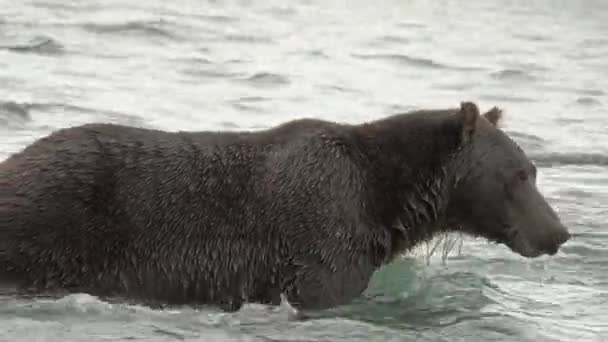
x: 553, y: 245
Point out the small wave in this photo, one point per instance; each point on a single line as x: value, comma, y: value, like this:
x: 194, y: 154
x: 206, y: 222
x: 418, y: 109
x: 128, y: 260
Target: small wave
x: 532, y: 37
x: 219, y: 18
x: 38, y: 45
x: 400, y: 108
x: 388, y: 40
x: 513, y: 75
x: 138, y: 28
x: 594, y: 42
x: 252, y: 99
x: 404, y: 59
x: 588, y: 101
x: 316, y: 53
x: 582, y: 91
x: 394, y: 39
x: 209, y: 73
x: 248, y: 103
x: 526, y: 140
x: 12, y: 112
x: 192, y: 60
x: 247, y: 106
x: 168, y: 332
x: 592, y: 92
x: 551, y: 159
x: 525, y: 136
x: 568, y: 121
x: 340, y: 89
x: 267, y: 79
x: 229, y: 125
x: 242, y: 38
x: 507, y: 98
x: 15, y: 111
x: 421, y: 62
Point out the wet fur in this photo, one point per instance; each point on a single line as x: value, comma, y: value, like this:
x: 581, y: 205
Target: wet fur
x: 309, y: 208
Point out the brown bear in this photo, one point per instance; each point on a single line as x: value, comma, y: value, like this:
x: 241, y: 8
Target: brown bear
x: 309, y: 209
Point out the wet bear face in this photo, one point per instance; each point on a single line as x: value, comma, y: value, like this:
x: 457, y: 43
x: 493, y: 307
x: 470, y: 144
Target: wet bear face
x: 496, y: 195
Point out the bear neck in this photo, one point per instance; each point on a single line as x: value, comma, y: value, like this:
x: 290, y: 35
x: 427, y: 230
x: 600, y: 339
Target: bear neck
x: 411, y: 169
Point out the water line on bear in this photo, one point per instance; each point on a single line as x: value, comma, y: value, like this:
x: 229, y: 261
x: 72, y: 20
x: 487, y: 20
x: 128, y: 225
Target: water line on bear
x: 429, y: 202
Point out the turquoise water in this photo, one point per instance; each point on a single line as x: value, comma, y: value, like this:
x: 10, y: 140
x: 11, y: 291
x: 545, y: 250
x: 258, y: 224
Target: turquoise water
x: 248, y: 65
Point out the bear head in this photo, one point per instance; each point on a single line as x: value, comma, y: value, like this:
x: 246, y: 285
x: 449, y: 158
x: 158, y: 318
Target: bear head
x: 495, y: 193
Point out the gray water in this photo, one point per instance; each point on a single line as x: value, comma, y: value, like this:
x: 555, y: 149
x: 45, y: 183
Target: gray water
x: 197, y: 65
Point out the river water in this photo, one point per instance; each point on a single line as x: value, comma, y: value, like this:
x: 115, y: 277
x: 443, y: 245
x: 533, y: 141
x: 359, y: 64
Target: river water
x: 196, y: 65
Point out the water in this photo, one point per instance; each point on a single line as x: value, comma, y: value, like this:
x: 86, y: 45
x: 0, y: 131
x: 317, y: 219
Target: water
x: 196, y: 65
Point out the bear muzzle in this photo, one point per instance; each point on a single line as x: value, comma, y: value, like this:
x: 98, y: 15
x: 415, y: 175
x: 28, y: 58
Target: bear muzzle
x: 538, y: 228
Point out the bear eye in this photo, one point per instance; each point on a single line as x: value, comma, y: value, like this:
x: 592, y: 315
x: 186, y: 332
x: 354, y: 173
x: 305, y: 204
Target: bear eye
x: 522, y: 175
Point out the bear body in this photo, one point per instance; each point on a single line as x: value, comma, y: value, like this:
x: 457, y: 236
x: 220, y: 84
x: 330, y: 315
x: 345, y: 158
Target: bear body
x: 309, y: 209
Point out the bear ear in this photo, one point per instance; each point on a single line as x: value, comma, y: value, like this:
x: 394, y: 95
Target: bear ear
x: 469, y: 113
x: 494, y: 116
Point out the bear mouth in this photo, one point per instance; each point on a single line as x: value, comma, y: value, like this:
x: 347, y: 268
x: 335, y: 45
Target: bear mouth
x: 506, y: 235
x: 511, y: 237
x: 516, y: 243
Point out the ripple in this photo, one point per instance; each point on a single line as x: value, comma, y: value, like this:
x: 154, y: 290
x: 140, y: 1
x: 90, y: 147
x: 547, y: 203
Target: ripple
x: 252, y: 99
x: 533, y: 37
x: 576, y: 193
x: 403, y: 59
x: 248, y: 103
x: 243, y: 38
x: 13, y: 112
x: 419, y: 62
x: 219, y: 18
x: 39, y: 45
x: 585, y: 250
x: 594, y: 42
x: 567, y: 121
x: 588, y: 101
x: 317, y: 53
x: 560, y: 159
x: 400, y: 108
x: 389, y: 40
x: 339, y: 89
x: 394, y: 39
x: 527, y: 139
x: 441, y: 299
x: 507, y: 98
x: 582, y: 91
x: 136, y: 28
x: 592, y: 92
x: 229, y: 125
x: 169, y: 332
x: 513, y: 75
x: 267, y: 79
x: 212, y: 73
x: 192, y: 60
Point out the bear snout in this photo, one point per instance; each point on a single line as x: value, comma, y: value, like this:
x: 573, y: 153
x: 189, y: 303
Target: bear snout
x: 553, y: 243
x: 547, y: 242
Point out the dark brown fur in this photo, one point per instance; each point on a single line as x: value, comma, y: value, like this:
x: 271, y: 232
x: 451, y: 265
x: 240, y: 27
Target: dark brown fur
x: 309, y: 208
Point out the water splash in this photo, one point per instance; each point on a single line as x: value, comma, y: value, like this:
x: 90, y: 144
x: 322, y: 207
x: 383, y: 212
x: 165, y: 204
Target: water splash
x: 444, y: 243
